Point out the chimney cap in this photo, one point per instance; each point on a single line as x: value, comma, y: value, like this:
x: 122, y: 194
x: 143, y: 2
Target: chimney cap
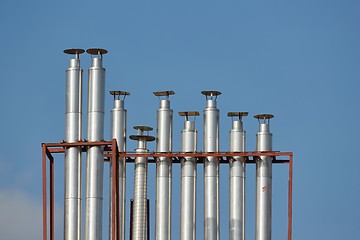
x: 96, y: 51
x: 74, y: 51
x: 164, y: 93
x: 237, y: 114
x: 264, y: 116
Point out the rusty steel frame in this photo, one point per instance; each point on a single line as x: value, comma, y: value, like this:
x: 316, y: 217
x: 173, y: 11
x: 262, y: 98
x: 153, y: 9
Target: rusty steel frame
x: 112, y: 153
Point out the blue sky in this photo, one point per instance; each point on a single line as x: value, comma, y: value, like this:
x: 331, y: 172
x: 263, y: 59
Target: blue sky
x: 296, y: 59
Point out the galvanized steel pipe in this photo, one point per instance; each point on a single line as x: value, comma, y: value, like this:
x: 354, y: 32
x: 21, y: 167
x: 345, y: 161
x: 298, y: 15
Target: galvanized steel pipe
x: 263, y: 179
x: 118, y: 132
x: 211, y: 167
x: 72, y: 163
x: 188, y: 179
x: 139, y: 213
x: 237, y: 179
x: 163, y: 167
x: 95, y: 155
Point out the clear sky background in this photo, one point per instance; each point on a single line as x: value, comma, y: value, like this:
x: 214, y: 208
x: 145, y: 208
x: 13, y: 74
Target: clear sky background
x: 298, y: 60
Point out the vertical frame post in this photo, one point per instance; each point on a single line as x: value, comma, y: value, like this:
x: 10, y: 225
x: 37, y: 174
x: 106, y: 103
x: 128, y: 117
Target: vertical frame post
x: 44, y: 191
x: 290, y: 197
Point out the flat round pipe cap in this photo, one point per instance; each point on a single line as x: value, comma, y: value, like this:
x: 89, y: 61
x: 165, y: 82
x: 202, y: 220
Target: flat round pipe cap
x: 211, y: 93
x: 96, y: 51
x: 264, y: 116
x: 122, y: 93
x: 142, y: 137
x: 185, y: 114
x: 144, y: 128
x: 74, y: 51
x: 164, y: 93
x: 237, y: 114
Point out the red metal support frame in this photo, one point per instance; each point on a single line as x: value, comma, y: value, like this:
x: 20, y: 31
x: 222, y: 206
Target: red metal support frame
x: 290, y: 197
x: 111, y: 151
x: 44, y: 148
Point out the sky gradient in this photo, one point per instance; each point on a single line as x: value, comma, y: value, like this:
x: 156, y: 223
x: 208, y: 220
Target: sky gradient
x: 298, y: 60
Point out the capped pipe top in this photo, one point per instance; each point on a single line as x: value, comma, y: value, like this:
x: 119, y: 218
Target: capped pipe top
x: 74, y: 51
x: 97, y: 51
x: 117, y: 94
x: 238, y: 114
x: 264, y: 117
x: 187, y: 114
x: 164, y: 93
x: 140, y: 135
x: 211, y: 94
x: 143, y: 128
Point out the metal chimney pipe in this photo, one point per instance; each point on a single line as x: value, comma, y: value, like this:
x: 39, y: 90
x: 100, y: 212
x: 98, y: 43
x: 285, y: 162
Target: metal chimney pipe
x: 118, y: 132
x: 139, y: 216
x: 163, y: 167
x: 188, y: 179
x: 95, y: 155
x: 211, y: 167
x: 237, y: 178
x: 72, y: 163
x: 263, y: 179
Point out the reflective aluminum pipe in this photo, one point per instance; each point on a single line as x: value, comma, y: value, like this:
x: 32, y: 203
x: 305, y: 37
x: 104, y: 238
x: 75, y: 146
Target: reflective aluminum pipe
x: 211, y: 167
x: 139, y: 213
x: 118, y: 132
x: 263, y: 179
x: 188, y: 179
x: 237, y: 179
x: 163, y: 167
x: 95, y: 155
x: 72, y: 170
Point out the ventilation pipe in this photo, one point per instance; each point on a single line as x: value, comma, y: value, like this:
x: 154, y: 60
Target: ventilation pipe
x: 94, y: 154
x: 237, y: 178
x: 263, y: 178
x: 163, y: 167
x: 72, y: 170
x: 118, y: 132
x: 211, y: 167
x: 188, y: 179
x: 140, y: 184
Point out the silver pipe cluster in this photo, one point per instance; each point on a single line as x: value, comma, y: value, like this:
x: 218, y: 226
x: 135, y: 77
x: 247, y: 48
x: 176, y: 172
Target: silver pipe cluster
x: 72, y: 163
x: 211, y: 167
x: 118, y: 132
x: 94, y: 154
x: 188, y: 179
x: 237, y: 178
x: 139, y: 212
x: 95, y: 165
x: 263, y: 179
x: 163, y: 167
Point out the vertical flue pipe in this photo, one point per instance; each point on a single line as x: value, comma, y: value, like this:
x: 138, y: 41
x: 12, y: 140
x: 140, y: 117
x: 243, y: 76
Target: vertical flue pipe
x: 211, y: 167
x: 72, y: 163
x: 163, y: 167
x: 118, y: 132
x: 188, y: 179
x: 94, y: 154
x: 263, y: 179
x: 237, y: 178
x: 139, y: 212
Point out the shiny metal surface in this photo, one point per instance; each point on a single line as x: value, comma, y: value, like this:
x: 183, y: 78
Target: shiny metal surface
x: 188, y: 181
x: 163, y: 168
x: 211, y: 167
x: 263, y: 179
x: 118, y: 132
x: 94, y: 155
x: 72, y: 163
x: 139, y: 215
x: 237, y: 179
